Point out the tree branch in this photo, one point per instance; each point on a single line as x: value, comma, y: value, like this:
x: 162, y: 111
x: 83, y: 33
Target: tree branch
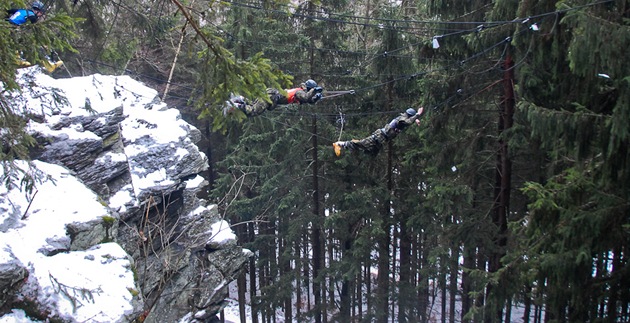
x: 190, y: 20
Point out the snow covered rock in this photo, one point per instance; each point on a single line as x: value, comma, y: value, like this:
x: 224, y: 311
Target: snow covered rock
x: 112, y: 131
x: 212, y: 268
x: 12, y: 274
x: 118, y: 204
x: 57, y: 282
x: 95, y: 285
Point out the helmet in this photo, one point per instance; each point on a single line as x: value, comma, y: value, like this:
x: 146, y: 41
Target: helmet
x: 410, y: 112
x: 38, y: 5
x: 310, y: 84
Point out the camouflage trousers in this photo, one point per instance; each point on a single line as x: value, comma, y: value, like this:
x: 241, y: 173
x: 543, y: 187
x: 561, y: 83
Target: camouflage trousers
x: 260, y: 105
x: 371, y: 144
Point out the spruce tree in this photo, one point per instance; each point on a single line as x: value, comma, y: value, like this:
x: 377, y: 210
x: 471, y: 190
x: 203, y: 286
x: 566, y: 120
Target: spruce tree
x: 575, y: 96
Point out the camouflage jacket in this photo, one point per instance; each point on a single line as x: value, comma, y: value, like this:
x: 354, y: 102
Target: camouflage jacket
x: 397, y: 125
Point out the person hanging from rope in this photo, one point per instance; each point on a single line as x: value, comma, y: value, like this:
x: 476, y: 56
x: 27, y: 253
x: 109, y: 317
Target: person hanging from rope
x: 19, y: 17
x: 373, y: 143
x: 307, y: 93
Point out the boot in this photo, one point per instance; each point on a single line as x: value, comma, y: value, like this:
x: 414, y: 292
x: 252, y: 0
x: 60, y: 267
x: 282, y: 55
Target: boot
x: 51, y: 66
x: 337, y: 147
x: 234, y: 104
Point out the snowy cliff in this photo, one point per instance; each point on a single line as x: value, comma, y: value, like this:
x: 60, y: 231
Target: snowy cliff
x: 113, y: 230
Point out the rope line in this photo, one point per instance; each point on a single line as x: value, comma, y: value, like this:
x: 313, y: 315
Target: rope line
x: 486, y: 24
x: 332, y: 94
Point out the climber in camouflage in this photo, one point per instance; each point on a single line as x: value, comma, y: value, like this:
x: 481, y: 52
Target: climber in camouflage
x: 373, y: 144
x: 308, y: 92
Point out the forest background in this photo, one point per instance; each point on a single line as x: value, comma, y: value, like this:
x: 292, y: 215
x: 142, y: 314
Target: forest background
x: 514, y: 190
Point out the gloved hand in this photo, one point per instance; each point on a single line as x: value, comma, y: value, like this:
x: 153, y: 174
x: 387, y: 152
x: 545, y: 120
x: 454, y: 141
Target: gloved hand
x: 316, y: 97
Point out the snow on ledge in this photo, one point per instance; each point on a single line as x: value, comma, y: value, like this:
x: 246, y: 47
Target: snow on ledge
x: 221, y: 234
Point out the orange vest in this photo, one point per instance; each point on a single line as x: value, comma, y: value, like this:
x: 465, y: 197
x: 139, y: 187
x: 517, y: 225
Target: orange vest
x: 291, y: 95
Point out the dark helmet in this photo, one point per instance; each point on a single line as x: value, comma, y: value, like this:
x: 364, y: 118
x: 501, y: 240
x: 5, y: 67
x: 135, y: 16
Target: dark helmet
x: 38, y: 5
x: 410, y: 112
x: 310, y: 84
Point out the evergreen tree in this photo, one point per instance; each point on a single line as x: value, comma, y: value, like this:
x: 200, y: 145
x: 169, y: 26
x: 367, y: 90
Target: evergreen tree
x: 575, y: 236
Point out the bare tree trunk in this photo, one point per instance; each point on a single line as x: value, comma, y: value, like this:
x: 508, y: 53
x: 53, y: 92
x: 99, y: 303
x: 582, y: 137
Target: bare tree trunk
x: 272, y: 264
x: 502, y: 187
x: 414, y: 266
x: 384, y: 241
x: 442, y: 285
x: 527, y: 304
x: 298, y: 282
x: 241, y: 281
x: 614, y: 290
x: 480, y: 299
x: 601, y: 272
x: 252, y: 277
x: 394, y: 259
x: 210, y: 171
x: 539, y: 304
x: 306, y: 271
x: 469, y: 263
x: 382, y: 293
x: 405, y: 289
x: 368, y: 287
x: 423, y: 280
x: 453, y: 281
x: 318, y: 252
x: 357, y: 297
x: 346, y: 286
x: 508, y: 309
x: 263, y: 274
x: 331, y: 258
x: 624, y: 296
x: 179, y: 48
x: 285, y: 268
x: 548, y: 315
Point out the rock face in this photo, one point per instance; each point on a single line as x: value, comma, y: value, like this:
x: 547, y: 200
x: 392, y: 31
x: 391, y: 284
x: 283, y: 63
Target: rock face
x: 138, y: 160
x: 12, y: 273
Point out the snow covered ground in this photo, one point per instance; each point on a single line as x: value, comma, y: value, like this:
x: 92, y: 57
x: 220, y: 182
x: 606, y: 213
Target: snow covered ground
x: 231, y: 312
